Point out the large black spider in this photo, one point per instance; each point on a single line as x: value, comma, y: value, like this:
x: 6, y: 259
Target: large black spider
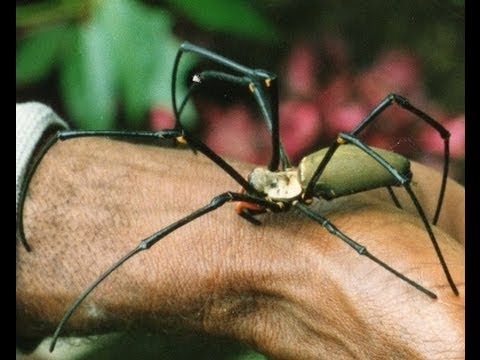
x: 347, y: 166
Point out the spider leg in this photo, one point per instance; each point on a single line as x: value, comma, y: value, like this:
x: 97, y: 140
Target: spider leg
x: 247, y: 215
x: 362, y: 250
x: 394, y: 197
x: 248, y: 210
x: 148, y: 242
x: 444, y: 134
x: 259, y: 78
x: 257, y: 90
x: 405, y: 182
x: 177, y: 135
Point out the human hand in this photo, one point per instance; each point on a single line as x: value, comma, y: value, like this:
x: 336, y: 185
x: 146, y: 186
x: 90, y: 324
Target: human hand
x: 287, y: 287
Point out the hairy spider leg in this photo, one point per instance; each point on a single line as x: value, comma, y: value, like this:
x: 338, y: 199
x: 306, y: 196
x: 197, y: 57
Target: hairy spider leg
x: 148, y: 242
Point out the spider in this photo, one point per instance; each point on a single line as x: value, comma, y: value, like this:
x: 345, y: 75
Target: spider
x: 279, y: 187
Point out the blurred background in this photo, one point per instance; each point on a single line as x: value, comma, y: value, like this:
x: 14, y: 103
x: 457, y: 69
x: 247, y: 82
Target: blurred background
x: 107, y: 65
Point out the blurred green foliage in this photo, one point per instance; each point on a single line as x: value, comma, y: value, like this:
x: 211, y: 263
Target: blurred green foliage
x: 110, y: 61
x: 116, y: 52
x: 126, y: 346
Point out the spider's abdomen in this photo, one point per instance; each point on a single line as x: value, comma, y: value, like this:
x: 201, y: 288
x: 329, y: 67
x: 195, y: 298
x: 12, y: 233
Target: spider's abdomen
x: 350, y: 171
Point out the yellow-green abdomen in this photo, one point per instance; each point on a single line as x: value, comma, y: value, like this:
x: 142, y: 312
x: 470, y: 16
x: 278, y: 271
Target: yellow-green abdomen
x: 350, y: 171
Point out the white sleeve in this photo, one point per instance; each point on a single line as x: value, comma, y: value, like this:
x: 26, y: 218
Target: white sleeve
x: 32, y: 120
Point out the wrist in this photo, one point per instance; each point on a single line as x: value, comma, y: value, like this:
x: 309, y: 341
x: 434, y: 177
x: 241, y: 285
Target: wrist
x: 88, y: 205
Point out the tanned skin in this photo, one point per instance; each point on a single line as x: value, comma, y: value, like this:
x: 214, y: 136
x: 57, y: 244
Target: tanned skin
x: 286, y: 287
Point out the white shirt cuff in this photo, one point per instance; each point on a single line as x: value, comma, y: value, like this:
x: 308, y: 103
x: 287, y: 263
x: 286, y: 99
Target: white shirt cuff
x: 32, y: 120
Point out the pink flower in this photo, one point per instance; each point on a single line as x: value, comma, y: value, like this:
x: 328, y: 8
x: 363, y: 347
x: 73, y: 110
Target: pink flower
x: 396, y: 71
x: 161, y: 117
x: 344, y: 117
x: 232, y: 132
x: 300, y: 127
x: 322, y: 97
x: 301, y: 69
x: 434, y: 143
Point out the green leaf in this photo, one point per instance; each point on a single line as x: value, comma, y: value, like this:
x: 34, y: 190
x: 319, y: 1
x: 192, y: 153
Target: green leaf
x: 33, y: 15
x: 164, y: 53
x: 122, y: 54
x: 249, y: 355
x: 144, y: 50
x: 236, y: 17
x: 457, y: 2
x: 37, y: 54
x: 136, y: 32
x: 87, y: 78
